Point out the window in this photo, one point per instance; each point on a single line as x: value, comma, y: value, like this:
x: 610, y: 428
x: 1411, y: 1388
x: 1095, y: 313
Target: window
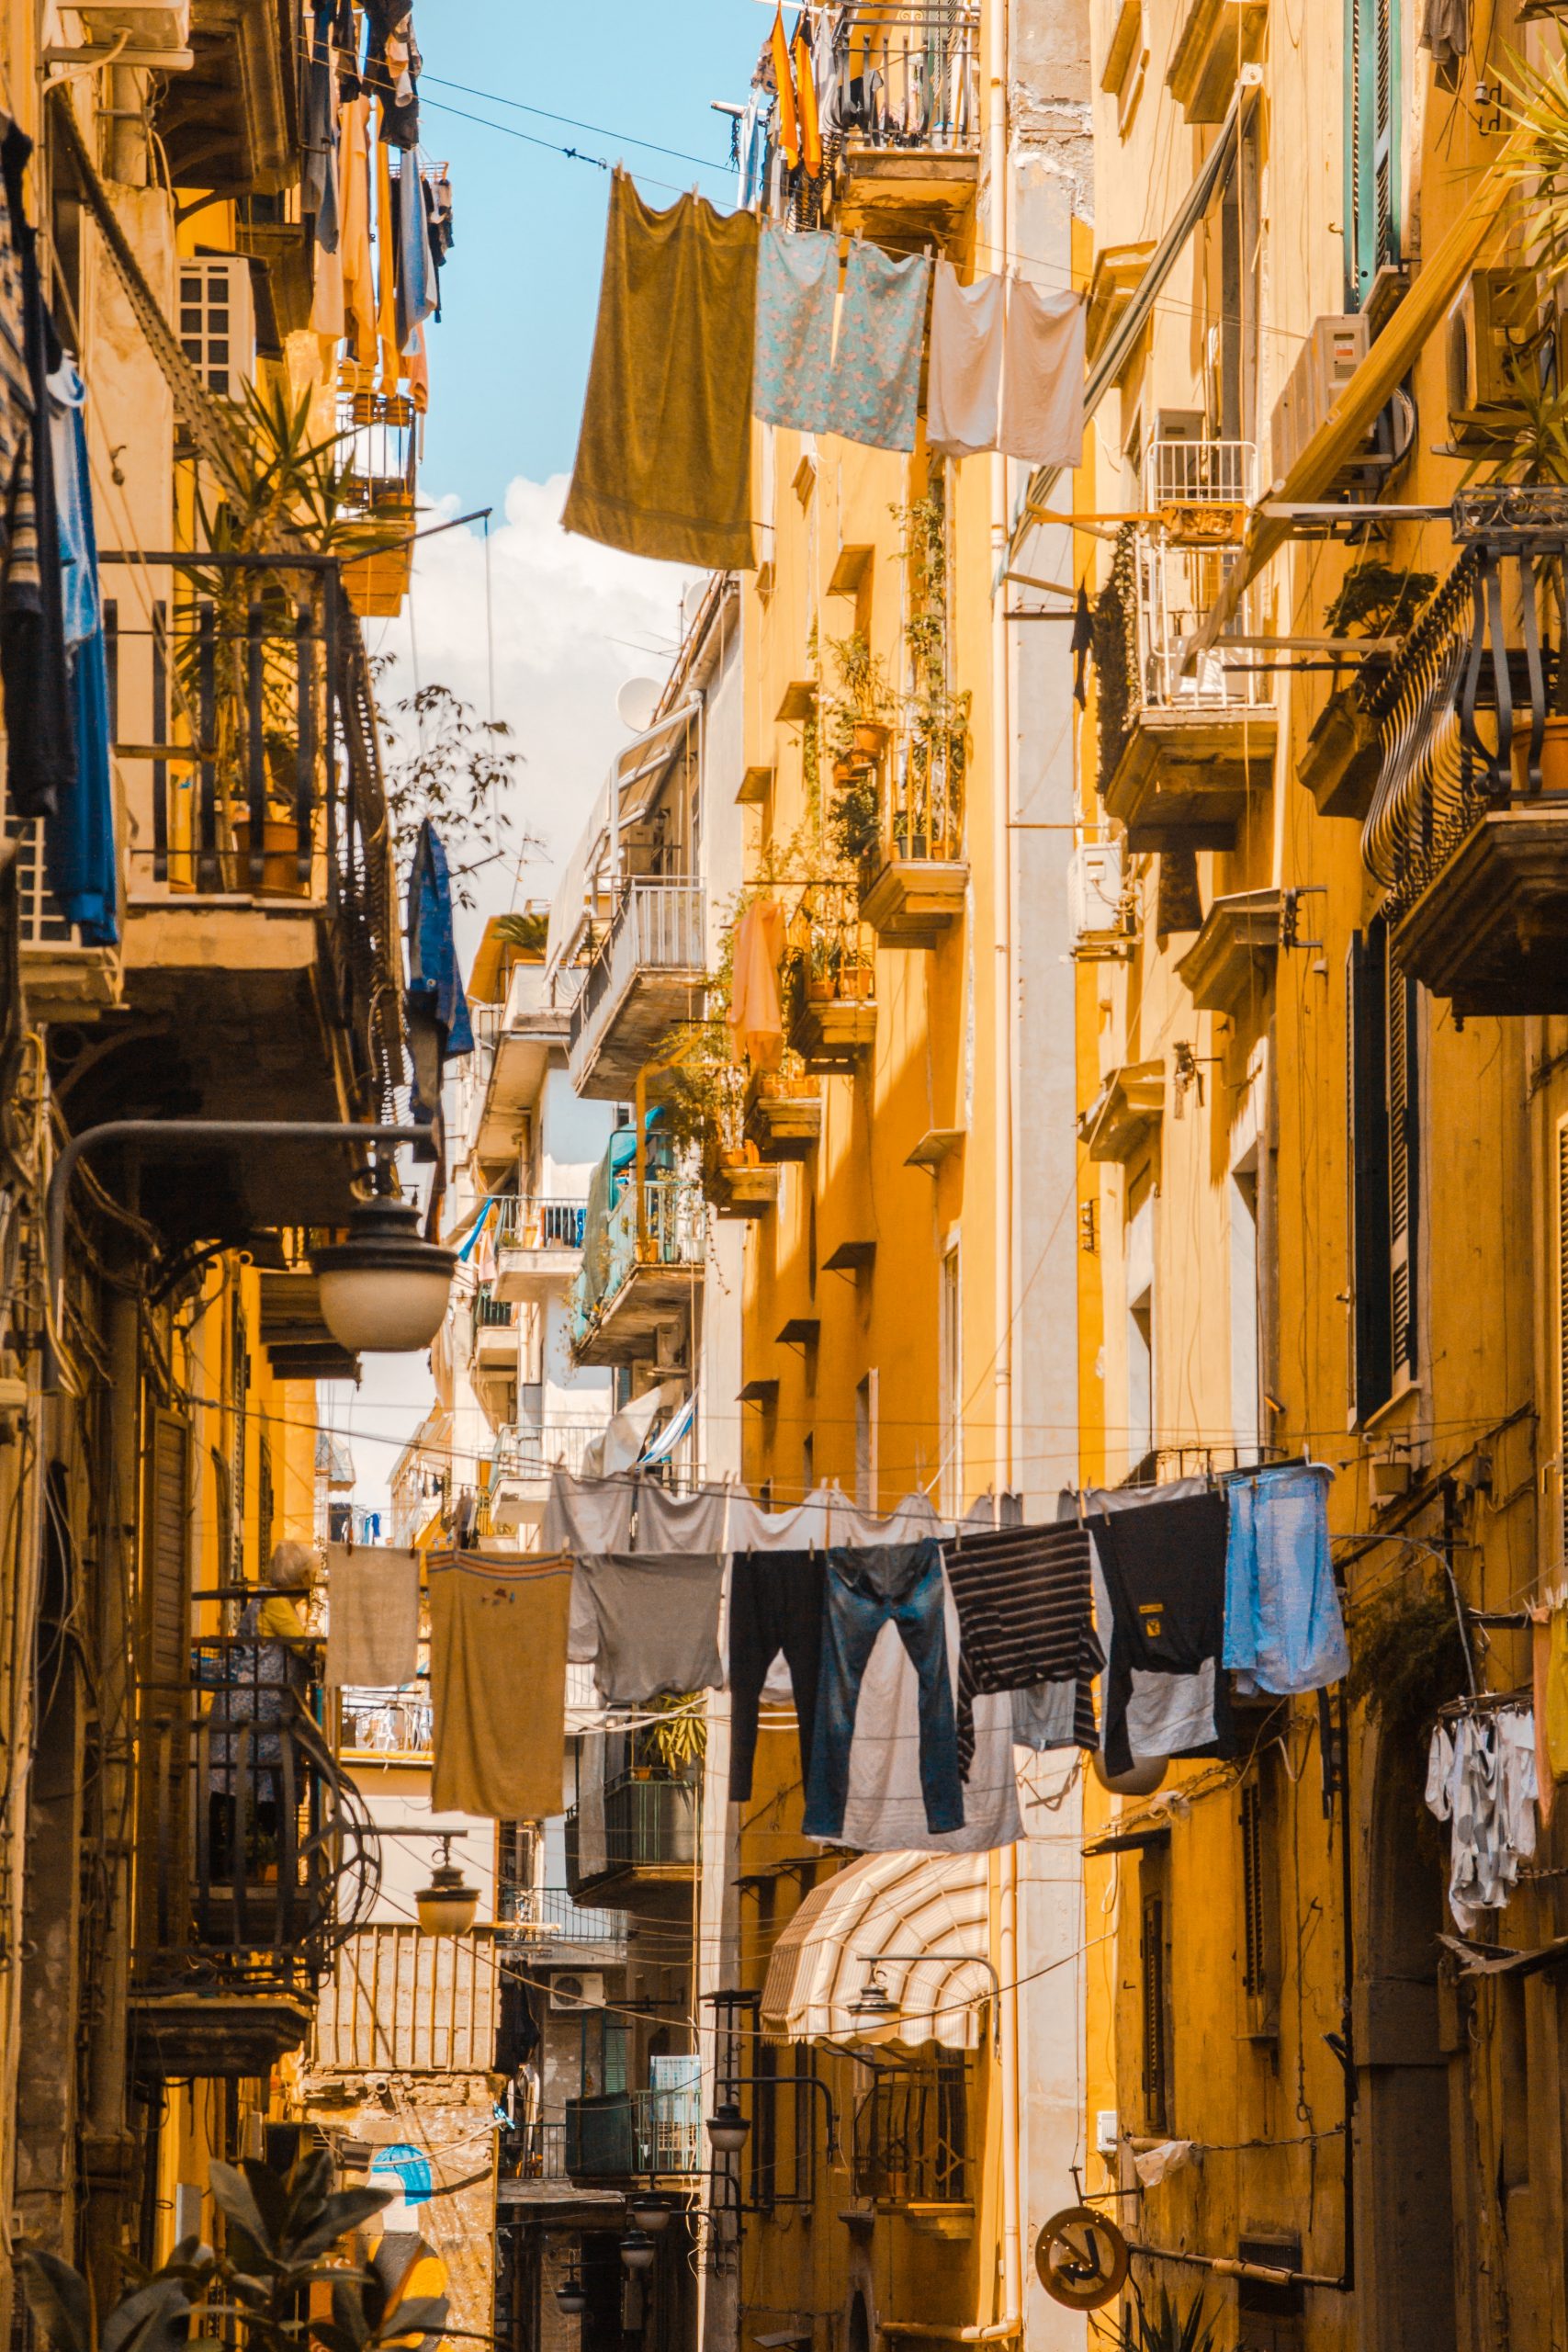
x: 1245, y: 1381
x: 1140, y: 1277
x: 1371, y: 141
x: 1154, y: 1955
x: 1236, y: 391
x: 1260, y: 1902
x: 1384, y: 1130
x: 866, y: 1488
x: 950, y: 1342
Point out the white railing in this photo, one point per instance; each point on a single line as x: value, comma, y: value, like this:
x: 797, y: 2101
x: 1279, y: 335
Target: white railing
x: 1200, y: 473
x: 530, y: 1450
x: 658, y: 927
x: 1177, y: 587
x: 533, y: 1221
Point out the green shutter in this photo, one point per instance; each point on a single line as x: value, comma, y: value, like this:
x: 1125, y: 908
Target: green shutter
x: 1372, y: 141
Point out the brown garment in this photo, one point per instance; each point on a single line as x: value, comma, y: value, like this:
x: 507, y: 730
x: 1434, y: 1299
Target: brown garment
x: 497, y: 1683
x: 664, y: 457
x: 756, y: 1019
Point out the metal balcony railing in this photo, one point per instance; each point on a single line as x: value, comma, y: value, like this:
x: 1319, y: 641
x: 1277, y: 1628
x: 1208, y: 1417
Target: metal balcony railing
x: 385, y: 1724
x: 831, y: 952
x: 531, y: 1450
x: 1177, y: 588
x: 657, y: 927
x: 910, y: 2143
x: 490, y: 1313
x: 1200, y: 473
x: 622, y: 2134
x: 546, y: 1915
x: 648, y: 1824
x: 536, y: 2152
x: 534, y: 1221
x: 907, y: 73
x: 256, y: 1857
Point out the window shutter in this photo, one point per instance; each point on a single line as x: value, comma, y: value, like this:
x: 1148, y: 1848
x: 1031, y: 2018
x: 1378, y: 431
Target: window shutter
x: 1403, y: 1171
x: 165, y: 1605
x: 1156, y: 2083
x: 1371, y: 137
x: 1562, y: 1333
x: 1367, y: 1099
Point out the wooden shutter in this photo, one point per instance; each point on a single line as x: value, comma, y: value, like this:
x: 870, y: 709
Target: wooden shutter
x: 166, y: 1705
x: 1156, y: 2056
x: 1366, y: 1112
x: 1562, y: 1335
x: 1402, y: 1171
x: 1372, y: 141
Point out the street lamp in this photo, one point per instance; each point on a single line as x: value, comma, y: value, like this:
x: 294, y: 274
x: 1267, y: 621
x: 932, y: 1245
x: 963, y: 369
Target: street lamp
x: 651, y: 2211
x: 571, y: 2296
x: 875, y: 2005
x: 637, y: 2250
x: 382, y: 1290
x: 727, y: 2128
x: 446, y: 1906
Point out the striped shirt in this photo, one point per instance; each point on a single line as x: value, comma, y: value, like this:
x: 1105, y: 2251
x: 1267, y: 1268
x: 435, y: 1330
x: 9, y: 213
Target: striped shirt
x: 1025, y: 1603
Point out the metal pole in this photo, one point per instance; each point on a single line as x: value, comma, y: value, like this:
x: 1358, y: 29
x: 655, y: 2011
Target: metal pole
x: 195, y: 1132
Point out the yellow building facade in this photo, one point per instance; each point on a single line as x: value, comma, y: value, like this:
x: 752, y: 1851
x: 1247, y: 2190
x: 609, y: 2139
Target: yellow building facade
x: 1320, y: 1189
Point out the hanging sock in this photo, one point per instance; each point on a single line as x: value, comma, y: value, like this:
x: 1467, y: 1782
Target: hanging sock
x: 964, y: 389
x: 664, y: 457
x: 1043, y: 377
x: 876, y: 365
x: 788, y: 124
x: 797, y: 284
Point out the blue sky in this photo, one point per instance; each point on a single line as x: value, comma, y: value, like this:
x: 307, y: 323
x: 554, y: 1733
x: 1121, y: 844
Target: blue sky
x: 510, y: 358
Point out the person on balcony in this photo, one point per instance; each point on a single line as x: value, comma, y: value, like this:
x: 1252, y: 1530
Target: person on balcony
x: 264, y: 1678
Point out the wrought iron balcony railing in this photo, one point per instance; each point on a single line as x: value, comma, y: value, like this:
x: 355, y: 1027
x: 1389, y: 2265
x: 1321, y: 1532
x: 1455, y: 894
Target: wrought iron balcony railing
x: 907, y: 73
x: 546, y: 1915
x: 910, y: 2142
x: 622, y: 2134
x: 648, y: 1824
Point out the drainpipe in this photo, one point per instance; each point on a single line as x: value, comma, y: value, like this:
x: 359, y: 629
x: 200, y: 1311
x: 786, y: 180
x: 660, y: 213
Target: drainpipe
x: 1012, y: 2234
x: 994, y: 56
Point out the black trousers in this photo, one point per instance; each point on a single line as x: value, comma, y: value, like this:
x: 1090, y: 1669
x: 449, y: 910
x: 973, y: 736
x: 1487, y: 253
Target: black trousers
x: 776, y: 1603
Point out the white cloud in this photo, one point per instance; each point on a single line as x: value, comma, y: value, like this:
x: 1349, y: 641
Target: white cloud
x: 571, y: 622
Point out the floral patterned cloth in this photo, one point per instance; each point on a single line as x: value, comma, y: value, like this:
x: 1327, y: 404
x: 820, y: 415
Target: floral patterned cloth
x: 876, y: 366
x: 797, y: 281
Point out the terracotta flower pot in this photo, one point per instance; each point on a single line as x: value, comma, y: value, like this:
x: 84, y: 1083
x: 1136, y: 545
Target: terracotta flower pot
x: 870, y: 739
x: 280, y: 859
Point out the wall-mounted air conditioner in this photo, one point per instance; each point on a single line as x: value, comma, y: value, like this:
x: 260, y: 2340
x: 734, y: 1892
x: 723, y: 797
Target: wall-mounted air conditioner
x: 583, y: 1990
x: 1493, y: 322
x: 1094, y: 891
x: 149, y: 30
x: 218, y: 322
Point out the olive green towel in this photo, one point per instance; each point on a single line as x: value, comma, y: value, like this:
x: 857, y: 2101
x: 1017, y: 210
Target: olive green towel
x: 664, y: 457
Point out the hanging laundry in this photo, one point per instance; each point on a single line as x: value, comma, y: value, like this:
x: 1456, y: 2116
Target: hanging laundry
x: 667, y: 1523
x: 353, y: 285
x: 752, y: 147
x: 902, y: 1585
x: 657, y: 1619
x: 392, y: 64
x: 41, y: 749
x: 1025, y: 1600
x: 910, y: 1521
x: 1284, y: 1631
x: 1481, y: 1778
x: 593, y: 1846
x: 372, y: 1617
x: 755, y: 1016
x: 415, y: 292
x: 1043, y: 376
x: 586, y: 1515
x: 810, y: 129
x: 318, y: 177
x: 1548, y: 1674
x: 1164, y: 1568
x: 964, y: 380
x: 776, y: 1608
x: 434, y: 1002
x: 754, y: 1527
x: 797, y: 287
x: 79, y: 837
x: 881, y: 342
x: 498, y: 1631
x: 783, y: 82
x: 664, y: 457
x: 1046, y: 1716
x: 385, y: 270
x: 884, y: 1809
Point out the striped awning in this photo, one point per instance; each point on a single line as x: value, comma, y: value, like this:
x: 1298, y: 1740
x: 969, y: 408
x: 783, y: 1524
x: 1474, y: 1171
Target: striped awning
x: 887, y: 1904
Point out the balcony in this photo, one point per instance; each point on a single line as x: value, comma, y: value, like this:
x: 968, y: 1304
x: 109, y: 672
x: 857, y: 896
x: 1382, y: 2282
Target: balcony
x: 538, y: 1245
x: 519, y: 1037
x: 252, y: 1861
x: 649, y: 972
x: 906, y: 96
x: 230, y: 122
x: 526, y: 1452
x: 492, y: 1334
x: 830, y: 979
x: 262, y: 956
x: 911, y: 2147
x: 1180, y: 749
x: 1467, y: 830
x: 913, y: 883
x: 394, y: 1726
x: 784, y: 1115
x: 627, y: 2135
x: 640, y: 1270
x: 649, y: 1846
x: 382, y: 431
x: 555, y: 1929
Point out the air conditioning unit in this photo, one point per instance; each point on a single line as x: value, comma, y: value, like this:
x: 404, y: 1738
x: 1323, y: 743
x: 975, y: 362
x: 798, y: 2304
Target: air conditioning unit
x: 1494, y: 320
x: 149, y: 29
x: 1094, y: 890
x: 1328, y: 359
x: 582, y: 1991
x: 218, y: 322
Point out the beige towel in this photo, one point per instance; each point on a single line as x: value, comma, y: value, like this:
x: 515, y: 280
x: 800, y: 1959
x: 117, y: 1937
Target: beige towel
x: 497, y: 1683
x: 963, y: 394
x: 372, y: 1617
x: 756, y: 1018
x: 1043, y: 376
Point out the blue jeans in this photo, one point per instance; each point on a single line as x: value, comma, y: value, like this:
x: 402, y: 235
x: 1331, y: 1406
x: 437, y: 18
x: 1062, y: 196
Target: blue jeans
x: 866, y: 1587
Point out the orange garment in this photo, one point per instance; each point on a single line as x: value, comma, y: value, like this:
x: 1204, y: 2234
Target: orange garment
x: 416, y: 369
x: 354, y: 233
x: 806, y: 98
x: 385, y: 270
x: 756, y: 1017
x: 789, y: 124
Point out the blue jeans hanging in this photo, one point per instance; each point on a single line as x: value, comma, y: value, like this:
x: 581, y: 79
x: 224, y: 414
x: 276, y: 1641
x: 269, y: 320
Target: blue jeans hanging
x: 866, y: 1587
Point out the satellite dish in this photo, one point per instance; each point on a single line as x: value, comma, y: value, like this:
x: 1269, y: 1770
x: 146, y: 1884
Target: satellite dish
x: 637, y: 702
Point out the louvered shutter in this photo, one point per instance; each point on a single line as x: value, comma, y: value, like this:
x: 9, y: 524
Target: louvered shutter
x: 1372, y: 141
x: 165, y: 1704
x: 1562, y: 1332
x: 1367, y: 1111
x: 1402, y: 1171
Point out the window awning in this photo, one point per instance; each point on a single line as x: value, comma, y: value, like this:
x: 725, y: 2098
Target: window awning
x: 936, y: 1904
